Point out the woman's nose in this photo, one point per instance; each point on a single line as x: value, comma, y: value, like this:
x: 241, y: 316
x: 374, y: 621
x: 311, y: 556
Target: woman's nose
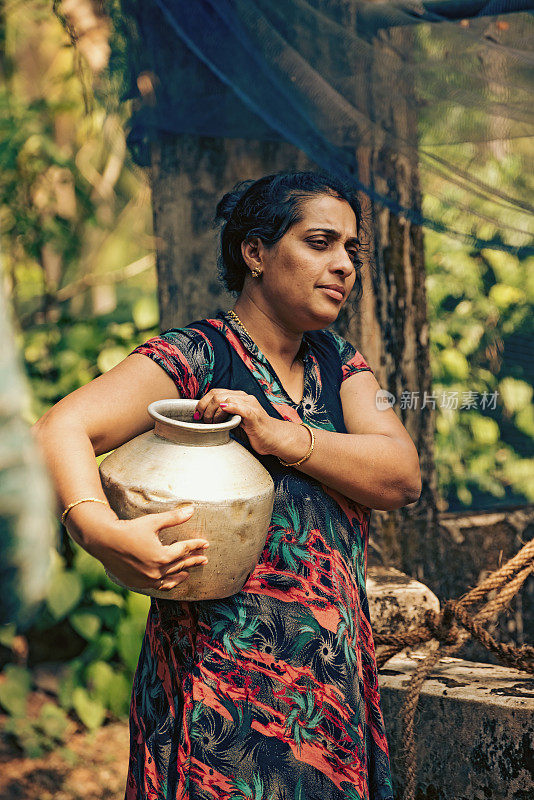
x: 342, y: 263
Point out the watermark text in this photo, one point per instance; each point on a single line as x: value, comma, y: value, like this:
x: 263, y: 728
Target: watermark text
x: 444, y: 399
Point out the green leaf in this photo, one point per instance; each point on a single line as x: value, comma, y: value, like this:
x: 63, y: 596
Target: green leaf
x: 521, y: 474
x: 7, y: 634
x: 86, y: 624
x: 64, y: 594
x: 119, y: 694
x: 455, y: 363
x: 71, y: 680
x: 443, y: 423
x: 145, y: 313
x: 464, y: 308
x: 504, y: 296
x: 515, y: 394
x: 109, y: 357
x: 464, y: 495
x: 504, y: 265
x: 90, y: 569
x: 100, y: 649
x: 129, y: 638
x: 485, y: 430
x: 138, y: 606
x: 53, y: 721
x: 110, y: 616
x: 99, y: 677
x: 26, y: 735
x: 524, y: 420
x: 106, y: 597
x: 80, y: 338
x: 472, y: 336
x: 90, y: 711
x: 122, y: 330
x: 14, y: 689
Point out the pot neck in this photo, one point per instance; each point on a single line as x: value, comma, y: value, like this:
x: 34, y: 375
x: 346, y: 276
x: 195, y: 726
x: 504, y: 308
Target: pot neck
x: 174, y: 422
x: 193, y: 436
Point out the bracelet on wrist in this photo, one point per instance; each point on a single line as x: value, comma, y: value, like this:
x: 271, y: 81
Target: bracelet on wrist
x: 308, y: 454
x: 77, y: 502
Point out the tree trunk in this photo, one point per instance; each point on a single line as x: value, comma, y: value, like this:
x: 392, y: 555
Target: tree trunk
x: 392, y: 328
x: 189, y: 174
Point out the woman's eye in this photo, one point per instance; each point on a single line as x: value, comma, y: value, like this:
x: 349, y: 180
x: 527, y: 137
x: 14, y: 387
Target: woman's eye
x: 318, y: 242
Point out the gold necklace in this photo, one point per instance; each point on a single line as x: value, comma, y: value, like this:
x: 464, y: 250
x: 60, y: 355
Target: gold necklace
x: 234, y: 316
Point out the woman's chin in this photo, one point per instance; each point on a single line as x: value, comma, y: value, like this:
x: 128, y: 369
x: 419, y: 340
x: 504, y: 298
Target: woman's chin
x: 323, y: 317
x: 316, y: 316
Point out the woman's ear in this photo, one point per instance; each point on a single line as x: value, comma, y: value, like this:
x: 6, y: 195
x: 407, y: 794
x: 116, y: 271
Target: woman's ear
x: 251, y: 250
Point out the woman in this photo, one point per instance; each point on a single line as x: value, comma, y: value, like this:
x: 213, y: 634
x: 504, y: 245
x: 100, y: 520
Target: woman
x: 270, y: 693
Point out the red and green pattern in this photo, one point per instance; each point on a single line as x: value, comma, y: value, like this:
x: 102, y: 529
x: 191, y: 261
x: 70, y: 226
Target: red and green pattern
x: 271, y: 694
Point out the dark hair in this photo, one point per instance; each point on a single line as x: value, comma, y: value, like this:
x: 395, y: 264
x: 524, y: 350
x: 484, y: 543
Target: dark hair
x: 267, y: 208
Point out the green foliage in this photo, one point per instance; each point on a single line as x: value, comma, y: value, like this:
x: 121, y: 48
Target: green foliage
x: 14, y: 690
x: 7, y: 634
x: 96, y: 685
x: 74, y: 213
x: 479, y: 301
x: 479, y: 304
x: 34, y: 736
x: 64, y: 593
x: 89, y: 708
x: 63, y: 356
x: 37, y: 736
x: 111, y: 621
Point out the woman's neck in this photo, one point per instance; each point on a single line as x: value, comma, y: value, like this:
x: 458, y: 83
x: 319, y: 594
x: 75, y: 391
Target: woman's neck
x: 275, y: 341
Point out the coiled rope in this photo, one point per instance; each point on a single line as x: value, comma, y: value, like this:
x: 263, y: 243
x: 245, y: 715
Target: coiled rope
x: 450, y: 628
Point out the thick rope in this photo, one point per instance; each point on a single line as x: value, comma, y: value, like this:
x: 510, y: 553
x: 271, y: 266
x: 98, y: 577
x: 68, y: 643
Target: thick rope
x: 419, y: 676
x: 443, y: 627
x: 509, y: 591
x: 500, y: 576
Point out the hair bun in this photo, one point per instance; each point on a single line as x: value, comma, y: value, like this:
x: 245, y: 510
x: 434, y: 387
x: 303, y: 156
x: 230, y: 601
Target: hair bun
x: 227, y: 204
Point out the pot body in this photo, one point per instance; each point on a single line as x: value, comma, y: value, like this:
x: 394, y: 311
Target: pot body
x: 179, y: 462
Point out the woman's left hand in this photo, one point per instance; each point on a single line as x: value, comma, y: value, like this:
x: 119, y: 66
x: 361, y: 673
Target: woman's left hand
x: 219, y: 404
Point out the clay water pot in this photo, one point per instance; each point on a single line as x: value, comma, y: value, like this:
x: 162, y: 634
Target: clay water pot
x: 182, y: 461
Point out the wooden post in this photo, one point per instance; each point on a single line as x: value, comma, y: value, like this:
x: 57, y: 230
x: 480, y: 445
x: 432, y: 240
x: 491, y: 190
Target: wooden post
x: 189, y: 175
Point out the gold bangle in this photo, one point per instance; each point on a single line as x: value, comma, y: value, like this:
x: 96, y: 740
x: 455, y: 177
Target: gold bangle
x: 77, y: 502
x: 308, y: 454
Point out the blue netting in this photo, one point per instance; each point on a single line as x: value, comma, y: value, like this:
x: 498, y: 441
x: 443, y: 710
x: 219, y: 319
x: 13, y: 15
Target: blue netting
x: 446, y: 86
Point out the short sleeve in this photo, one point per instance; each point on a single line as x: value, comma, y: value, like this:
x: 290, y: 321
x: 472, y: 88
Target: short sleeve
x: 352, y: 360
x: 187, y: 357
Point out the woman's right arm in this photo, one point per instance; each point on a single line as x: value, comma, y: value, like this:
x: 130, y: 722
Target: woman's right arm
x: 95, y: 419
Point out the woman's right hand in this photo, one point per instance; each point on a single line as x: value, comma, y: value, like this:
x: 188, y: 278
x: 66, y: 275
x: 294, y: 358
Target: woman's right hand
x: 132, y: 551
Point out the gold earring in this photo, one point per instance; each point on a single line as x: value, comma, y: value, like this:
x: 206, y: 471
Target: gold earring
x: 256, y: 272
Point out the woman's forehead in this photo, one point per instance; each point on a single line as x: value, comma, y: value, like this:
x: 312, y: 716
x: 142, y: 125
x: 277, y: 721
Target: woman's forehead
x: 326, y: 211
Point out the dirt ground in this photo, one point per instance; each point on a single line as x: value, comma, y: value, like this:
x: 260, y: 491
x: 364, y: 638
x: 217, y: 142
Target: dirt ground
x: 90, y: 766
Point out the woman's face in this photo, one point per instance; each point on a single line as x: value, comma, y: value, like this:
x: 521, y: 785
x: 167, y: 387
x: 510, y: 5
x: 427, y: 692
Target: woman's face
x: 308, y: 275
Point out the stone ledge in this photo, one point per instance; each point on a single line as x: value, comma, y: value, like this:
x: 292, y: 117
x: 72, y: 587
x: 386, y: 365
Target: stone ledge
x: 396, y: 601
x: 474, y: 729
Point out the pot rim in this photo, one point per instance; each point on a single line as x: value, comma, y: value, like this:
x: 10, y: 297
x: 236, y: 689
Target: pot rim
x: 155, y: 409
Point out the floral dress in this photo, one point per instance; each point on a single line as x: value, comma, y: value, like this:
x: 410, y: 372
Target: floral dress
x: 272, y: 693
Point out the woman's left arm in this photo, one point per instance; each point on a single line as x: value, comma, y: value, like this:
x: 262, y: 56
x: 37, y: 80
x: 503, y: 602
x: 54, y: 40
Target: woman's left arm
x: 375, y: 463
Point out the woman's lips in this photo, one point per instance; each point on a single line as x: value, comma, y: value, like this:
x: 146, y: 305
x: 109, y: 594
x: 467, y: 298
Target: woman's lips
x: 337, y: 295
